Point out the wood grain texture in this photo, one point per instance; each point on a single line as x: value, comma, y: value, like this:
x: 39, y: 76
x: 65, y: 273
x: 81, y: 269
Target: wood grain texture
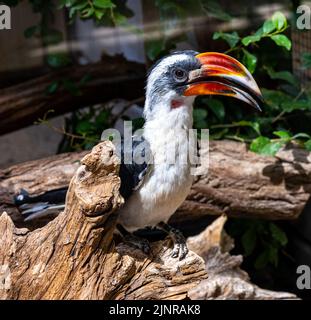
x: 238, y: 183
x: 75, y: 256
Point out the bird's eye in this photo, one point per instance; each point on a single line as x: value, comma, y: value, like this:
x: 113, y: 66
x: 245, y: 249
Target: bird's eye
x: 180, y: 75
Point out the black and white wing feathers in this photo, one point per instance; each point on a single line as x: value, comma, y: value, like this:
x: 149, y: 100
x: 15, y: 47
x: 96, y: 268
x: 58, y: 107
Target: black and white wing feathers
x: 132, y: 174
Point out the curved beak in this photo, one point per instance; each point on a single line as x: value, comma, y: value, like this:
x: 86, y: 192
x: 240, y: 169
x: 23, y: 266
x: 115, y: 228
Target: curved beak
x: 223, y: 75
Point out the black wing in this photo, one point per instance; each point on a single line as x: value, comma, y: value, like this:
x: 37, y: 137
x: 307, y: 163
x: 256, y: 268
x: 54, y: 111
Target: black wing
x: 132, y: 174
x: 53, y: 201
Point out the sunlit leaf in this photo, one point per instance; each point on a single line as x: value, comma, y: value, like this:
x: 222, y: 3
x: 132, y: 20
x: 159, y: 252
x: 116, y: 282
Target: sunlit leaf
x: 282, y: 41
x: 279, y: 20
x: 283, y: 135
x: 250, y: 39
x: 258, y: 143
x: 268, y: 26
x: 104, y: 4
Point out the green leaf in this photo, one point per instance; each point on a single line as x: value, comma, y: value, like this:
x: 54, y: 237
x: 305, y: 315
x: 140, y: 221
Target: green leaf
x: 293, y: 104
x: 104, y: 4
x: 283, y: 135
x: 231, y: 38
x: 31, y: 31
x: 154, y: 48
x: 119, y: 19
x: 307, y: 145
x: 306, y: 60
x: 262, y: 260
x: 138, y: 123
x: 279, y: 20
x: 217, y: 108
x: 199, y: 118
x: 282, y: 75
x: 268, y: 26
x: 254, y: 125
x: 275, y: 98
x: 271, y: 148
x: 85, y: 127
x: 248, y: 241
x: 278, y: 234
x: 58, y: 60
x: 273, y: 255
x: 219, y: 134
x: 250, y: 39
x: 282, y: 41
x: 99, y: 14
x: 52, y: 37
x: 86, y: 13
x: 213, y: 9
x: 52, y: 88
x: 70, y: 86
x: 258, y: 144
x: 263, y: 145
x: 301, y: 135
x: 249, y: 60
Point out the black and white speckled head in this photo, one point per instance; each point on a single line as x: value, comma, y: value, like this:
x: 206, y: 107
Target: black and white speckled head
x: 175, y: 81
x: 167, y: 80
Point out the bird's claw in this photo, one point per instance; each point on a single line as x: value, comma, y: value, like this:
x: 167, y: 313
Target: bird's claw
x: 180, y: 249
x: 138, y: 243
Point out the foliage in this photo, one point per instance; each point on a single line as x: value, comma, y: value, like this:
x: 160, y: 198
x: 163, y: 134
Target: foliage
x: 283, y: 100
x: 108, y: 12
x: 261, y: 241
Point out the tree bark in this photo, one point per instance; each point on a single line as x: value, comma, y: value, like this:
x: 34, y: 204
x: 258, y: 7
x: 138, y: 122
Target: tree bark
x: 114, y: 77
x: 225, y: 279
x: 239, y: 183
x: 76, y: 257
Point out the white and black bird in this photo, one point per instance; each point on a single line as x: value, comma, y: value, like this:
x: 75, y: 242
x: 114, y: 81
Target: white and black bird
x: 153, y: 189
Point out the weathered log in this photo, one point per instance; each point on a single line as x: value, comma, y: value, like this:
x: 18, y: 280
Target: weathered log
x: 225, y: 279
x: 239, y: 183
x: 75, y: 256
x: 78, y: 86
x: 244, y: 184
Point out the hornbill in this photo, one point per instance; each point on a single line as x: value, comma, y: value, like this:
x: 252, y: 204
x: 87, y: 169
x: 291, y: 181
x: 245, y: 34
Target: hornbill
x: 153, y: 190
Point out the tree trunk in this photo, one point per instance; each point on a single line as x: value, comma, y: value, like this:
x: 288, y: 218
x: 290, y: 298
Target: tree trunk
x: 78, y: 86
x: 76, y: 257
x: 239, y: 183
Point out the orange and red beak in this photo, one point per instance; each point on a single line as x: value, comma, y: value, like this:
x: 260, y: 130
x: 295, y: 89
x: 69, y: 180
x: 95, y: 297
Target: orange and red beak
x: 223, y: 75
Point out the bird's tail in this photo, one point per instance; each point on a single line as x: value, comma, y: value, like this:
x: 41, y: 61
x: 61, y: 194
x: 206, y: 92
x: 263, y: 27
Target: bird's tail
x: 49, y: 203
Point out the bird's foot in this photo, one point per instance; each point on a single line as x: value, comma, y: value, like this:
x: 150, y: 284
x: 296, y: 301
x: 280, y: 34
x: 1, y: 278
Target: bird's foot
x: 138, y: 243
x: 180, y: 249
x: 134, y: 241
